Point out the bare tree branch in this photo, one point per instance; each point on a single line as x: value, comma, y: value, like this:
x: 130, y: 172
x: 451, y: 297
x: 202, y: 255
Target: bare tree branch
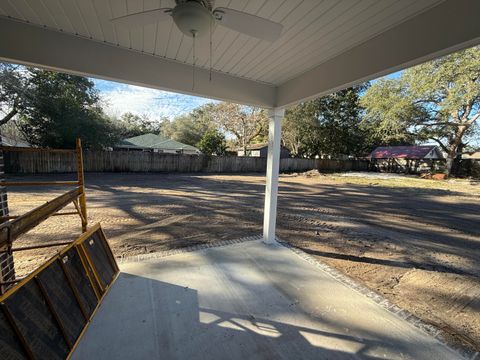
x: 444, y: 148
x: 9, y: 116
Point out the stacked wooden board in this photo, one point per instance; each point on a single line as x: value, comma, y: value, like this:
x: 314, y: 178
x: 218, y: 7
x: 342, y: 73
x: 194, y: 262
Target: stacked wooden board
x: 44, y: 316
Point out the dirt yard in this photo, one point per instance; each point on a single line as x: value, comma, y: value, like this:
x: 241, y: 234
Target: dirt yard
x: 415, y: 241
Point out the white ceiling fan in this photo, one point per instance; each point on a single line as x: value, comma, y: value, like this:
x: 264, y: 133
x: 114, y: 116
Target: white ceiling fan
x: 196, y: 18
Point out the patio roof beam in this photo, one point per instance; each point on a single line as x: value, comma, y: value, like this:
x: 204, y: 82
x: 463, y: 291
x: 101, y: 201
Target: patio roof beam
x: 445, y: 28
x: 41, y: 47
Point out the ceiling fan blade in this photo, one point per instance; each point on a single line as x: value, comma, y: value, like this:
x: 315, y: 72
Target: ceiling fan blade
x: 248, y: 24
x: 143, y: 18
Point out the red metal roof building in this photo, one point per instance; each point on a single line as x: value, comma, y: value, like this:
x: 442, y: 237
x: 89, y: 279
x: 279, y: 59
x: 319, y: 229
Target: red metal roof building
x: 413, y: 152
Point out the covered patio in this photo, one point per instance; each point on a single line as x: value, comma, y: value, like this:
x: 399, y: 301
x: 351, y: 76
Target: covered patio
x: 247, y: 300
x: 254, y: 299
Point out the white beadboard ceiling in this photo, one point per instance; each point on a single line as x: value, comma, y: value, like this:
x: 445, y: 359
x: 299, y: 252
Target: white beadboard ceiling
x: 314, y: 31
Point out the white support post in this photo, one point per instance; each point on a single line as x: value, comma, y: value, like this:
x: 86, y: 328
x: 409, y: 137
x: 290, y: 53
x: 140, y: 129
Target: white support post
x: 273, y: 167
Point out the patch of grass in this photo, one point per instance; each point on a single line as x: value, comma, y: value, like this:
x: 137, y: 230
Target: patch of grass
x: 409, y: 182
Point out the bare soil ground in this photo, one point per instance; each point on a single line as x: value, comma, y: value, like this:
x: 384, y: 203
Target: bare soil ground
x: 415, y: 241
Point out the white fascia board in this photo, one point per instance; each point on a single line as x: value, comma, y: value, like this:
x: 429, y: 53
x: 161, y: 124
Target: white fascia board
x: 27, y: 44
x: 450, y: 26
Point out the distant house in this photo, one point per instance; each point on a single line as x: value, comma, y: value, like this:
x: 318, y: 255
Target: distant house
x: 6, y: 141
x: 473, y: 155
x: 413, y: 152
x: 406, y: 159
x: 261, y: 150
x: 155, y: 143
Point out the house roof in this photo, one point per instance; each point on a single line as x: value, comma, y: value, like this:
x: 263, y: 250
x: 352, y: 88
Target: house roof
x: 152, y: 141
x: 471, y: 155
x: 6, y: 141
x: 146, y: 140
x: 401, y: 152
x: 256, y: 147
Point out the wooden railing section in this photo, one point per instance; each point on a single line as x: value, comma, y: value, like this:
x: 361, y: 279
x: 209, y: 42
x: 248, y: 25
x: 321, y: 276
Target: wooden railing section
x: 12, y: 227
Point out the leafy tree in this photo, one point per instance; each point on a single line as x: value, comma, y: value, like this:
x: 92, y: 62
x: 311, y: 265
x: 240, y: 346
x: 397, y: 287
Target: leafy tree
x: 300, y: 130
x: 381, y: 100
x: 247, y: 124
x: 213, y: 143
x: 189, y: 128
x: 130, y: 125
x: 438, y: 100
x: 327, y: 126
x: 14, y: 91
x: 63, y: 107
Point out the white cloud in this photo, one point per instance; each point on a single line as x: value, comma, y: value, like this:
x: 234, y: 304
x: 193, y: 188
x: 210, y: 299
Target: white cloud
x: 120, y: 98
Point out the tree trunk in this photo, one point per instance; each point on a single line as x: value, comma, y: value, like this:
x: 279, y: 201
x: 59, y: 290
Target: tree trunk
x: 453, y: 148
x: 449, y: 163
x: 9, y: 116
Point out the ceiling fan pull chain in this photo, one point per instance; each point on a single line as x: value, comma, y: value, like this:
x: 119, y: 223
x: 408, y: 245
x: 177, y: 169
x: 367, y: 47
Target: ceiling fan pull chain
x: 194, y: 60
x: 211, y: 52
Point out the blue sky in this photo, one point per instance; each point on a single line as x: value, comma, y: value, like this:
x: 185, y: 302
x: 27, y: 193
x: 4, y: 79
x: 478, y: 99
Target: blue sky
x: 119, y: 98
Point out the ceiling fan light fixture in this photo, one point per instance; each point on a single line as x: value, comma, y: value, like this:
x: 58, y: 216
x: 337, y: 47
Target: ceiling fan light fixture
x: 192, y: 18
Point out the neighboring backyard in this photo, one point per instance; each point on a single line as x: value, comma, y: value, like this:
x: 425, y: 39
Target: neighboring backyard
x: 415, y: 241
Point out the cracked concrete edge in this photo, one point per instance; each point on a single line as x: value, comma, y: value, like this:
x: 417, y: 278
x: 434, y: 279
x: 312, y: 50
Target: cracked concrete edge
x: 382, y: 301
x: 199, y: 247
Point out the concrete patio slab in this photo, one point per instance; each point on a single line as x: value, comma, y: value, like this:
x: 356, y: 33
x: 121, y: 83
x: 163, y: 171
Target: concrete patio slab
x: 245, y: 301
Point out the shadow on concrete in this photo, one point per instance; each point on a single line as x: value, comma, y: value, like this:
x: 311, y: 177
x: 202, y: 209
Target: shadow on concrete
x: 143, y: 318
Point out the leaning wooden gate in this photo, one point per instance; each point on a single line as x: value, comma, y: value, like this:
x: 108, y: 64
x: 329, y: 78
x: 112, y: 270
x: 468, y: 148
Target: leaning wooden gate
x: 44, y: 316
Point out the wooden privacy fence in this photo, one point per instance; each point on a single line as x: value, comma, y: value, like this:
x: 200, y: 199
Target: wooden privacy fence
x: 136, y: 161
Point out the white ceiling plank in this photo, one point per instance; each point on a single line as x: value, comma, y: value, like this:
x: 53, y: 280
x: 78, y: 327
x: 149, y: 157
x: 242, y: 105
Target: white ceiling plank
x: 222, y: 34
x: 104, y: 14
x: 164, y: 30
x: 250, y: 46
x: 174, y: 42
x: 90, y: 16
x: 396, y: 13
x: 119, y: 8
x: 162, y: 33
x: 150, y: 31
x: 11, y: 11
x: 238, y: 39
x: 299, y: 19
x: 23, y: 7
x: 336, y: 16
x: 394, y: 16
x: 348, y: 39
x: 42, y: 13
x: 58, y: 15
x: 184, y: 50
x: 267, y: 10
x: 416, y: 40
x: 356, y: 16
x: 72, y: 13
x: 136, y: 34
x: 230, y: 37
x: 258, y: 46
x: 218, y: 34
